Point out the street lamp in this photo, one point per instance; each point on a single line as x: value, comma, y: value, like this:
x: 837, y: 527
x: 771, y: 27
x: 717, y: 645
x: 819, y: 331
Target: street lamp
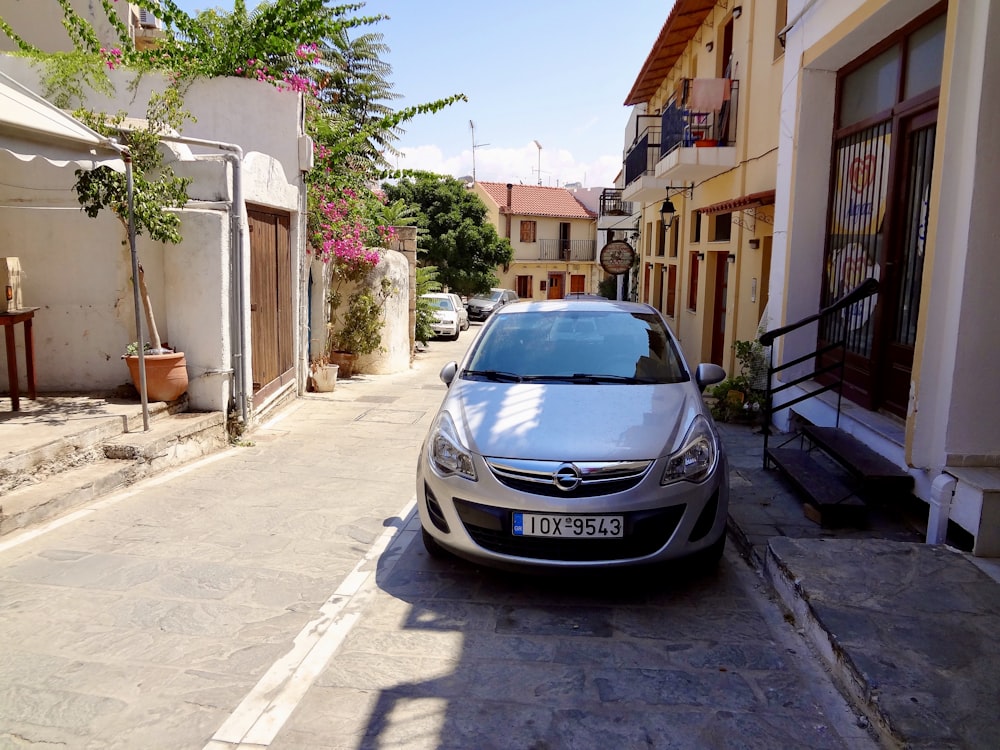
x: 667, y: 213
x: 539, y: 162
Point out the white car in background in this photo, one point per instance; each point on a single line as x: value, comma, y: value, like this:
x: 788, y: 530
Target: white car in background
x: 463, y: 314
x: 447, y: 321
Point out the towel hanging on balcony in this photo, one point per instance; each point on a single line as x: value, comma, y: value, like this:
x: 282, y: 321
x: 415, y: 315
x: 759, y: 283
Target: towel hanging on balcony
x: 707, y: 94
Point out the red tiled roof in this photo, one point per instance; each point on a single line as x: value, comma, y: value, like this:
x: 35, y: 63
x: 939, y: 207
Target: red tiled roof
x: 535, y: 200
x: 683, y: 22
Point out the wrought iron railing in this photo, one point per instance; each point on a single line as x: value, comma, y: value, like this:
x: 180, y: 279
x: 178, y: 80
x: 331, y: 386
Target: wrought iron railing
x: 682, y: 125
x: 612, y: 203
x: 575, y: 251
x: 828, y: 360
x: 641, y: 158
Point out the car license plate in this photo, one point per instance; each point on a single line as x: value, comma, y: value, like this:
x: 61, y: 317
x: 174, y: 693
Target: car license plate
x: 571, y: 526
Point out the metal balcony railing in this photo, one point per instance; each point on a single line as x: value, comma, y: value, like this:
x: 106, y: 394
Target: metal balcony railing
x: 641, y: 158
x: 682, y: 125
x: 575, y: 251
x: 612, y: 203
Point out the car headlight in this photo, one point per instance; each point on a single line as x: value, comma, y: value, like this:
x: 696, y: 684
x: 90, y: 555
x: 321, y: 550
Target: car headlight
x: 446, y: 451
x: 696, y: 459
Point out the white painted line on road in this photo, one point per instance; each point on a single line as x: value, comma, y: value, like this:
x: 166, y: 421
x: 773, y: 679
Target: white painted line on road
x: 107, y: 502
x: 265, y: 709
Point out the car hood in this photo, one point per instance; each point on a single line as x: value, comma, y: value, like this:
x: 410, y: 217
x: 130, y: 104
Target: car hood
x: 572, y: 422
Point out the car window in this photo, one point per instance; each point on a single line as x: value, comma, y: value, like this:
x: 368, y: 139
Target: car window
x: 565, y: 343
x: 441, y: 303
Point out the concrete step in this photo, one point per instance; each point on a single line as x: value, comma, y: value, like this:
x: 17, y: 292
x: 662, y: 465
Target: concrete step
x: 75, y: 471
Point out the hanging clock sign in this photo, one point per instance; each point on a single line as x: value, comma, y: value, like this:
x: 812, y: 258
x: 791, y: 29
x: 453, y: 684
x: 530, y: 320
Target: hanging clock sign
x: 616, y: 257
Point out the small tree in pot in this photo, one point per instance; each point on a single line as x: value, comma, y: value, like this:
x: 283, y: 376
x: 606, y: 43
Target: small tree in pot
x: 155, y: 189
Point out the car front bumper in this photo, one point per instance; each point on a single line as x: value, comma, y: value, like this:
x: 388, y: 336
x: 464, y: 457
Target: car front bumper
x: 474, y: 520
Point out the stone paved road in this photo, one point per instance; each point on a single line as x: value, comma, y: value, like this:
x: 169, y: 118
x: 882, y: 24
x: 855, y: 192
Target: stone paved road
x: 277, y: 595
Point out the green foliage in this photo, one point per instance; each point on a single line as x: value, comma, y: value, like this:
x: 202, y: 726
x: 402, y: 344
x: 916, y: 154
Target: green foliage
x: 426, y: 283
x: 741, y: 398
x: 608, y: 287
x: 460, y: 241
x: 359, y: 330
x: 155, y: 186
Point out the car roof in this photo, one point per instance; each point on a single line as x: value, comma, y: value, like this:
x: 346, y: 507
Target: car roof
x: 576, y: 305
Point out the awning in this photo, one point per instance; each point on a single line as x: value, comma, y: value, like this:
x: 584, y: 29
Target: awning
x: 763, y: 198
x: 32, y: 128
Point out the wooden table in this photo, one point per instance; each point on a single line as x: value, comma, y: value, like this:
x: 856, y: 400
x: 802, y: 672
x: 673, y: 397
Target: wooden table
x: 8, y: 320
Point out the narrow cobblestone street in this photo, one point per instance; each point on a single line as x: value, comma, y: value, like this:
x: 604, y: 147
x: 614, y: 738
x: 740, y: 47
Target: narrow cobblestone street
x: 277, y: 595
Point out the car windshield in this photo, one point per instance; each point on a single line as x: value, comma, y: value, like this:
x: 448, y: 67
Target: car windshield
x: 491, y: 297
x: 579, y: 346
x: 441, y: 303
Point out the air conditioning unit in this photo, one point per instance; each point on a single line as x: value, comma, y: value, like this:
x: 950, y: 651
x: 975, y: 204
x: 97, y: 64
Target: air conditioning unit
x: 147, y: 20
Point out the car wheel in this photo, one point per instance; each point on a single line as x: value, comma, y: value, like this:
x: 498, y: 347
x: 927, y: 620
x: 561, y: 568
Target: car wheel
x: 454, y: 337
x: 434, y: 549
x: 466, y: 326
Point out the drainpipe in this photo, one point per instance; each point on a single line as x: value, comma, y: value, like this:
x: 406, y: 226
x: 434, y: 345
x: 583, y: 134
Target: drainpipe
x: 942, y: 492
x: 798, y: 16
x: 234, y: 155
x: 510, y: 192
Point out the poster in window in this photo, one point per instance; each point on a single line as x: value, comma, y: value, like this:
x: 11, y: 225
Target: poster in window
x: 862, y: 183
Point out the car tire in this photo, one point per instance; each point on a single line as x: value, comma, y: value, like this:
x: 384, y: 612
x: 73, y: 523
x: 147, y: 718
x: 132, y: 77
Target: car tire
x: 454, y: 337
x: 434, y: 549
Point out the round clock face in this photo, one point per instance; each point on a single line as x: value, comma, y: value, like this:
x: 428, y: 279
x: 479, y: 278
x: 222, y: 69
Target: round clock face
x: 617, y: 257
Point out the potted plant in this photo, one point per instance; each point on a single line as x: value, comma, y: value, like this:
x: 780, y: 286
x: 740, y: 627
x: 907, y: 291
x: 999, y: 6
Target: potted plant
x: 341, y: 236
x: 155, y: 188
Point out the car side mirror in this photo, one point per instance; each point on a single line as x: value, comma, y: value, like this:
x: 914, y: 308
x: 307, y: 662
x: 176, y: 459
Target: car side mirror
x: 448, y: 373
x: 708, y: 374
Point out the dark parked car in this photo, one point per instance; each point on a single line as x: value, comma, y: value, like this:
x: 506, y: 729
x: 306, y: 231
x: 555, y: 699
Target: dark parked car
x: 574, y: 435
x: 482, y: 306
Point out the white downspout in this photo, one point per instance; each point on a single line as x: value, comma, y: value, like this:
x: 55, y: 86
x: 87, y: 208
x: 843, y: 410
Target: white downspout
x: 234, y: 157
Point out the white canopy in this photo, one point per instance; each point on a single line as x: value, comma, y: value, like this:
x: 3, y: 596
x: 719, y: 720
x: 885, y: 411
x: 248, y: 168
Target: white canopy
x: 33, y: 128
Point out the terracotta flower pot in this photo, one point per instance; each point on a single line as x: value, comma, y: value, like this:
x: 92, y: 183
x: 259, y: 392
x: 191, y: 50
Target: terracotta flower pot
x: 345, y: 361
x: 166, y: 375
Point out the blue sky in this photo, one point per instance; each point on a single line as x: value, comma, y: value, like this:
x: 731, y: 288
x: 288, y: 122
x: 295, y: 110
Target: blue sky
x: 552, y: 71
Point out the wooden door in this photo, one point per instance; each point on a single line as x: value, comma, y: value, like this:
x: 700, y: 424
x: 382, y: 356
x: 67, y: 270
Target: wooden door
x: 272, y: 357
x: 902, y: 269
x: 555, y: 286
x: 721, y: 285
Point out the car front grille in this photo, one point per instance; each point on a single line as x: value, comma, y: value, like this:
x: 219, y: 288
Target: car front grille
x: 552, y: 478
x: 645, y: 532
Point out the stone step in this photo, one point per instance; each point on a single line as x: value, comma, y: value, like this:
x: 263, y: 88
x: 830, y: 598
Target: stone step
x: 106, y: 465
x: 829, y: 500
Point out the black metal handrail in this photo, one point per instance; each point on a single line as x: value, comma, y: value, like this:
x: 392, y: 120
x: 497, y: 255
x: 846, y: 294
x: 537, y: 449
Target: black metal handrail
x: 862, y: 291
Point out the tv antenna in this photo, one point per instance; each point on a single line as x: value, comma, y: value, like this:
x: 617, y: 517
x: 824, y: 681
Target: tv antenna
x: 472, y: 129
x: 539, y: 162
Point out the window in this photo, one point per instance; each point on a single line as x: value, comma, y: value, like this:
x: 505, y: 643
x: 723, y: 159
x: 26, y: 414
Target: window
x: 522, y: 286
x: 528, y: 229
x: 722, y: 227
x: 675, y: 237
x: 693, y: 283
x: 578, y: 283
x: 661, y: 239
x: 695, y: 226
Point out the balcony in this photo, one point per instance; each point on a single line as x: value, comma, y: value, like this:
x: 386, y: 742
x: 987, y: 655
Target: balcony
x: 612, y: 203
x: 567, y: 251
x: 641, y: 183
x: 698, y: 137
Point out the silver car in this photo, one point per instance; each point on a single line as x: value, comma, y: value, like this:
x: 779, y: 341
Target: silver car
x: 573, y: 434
